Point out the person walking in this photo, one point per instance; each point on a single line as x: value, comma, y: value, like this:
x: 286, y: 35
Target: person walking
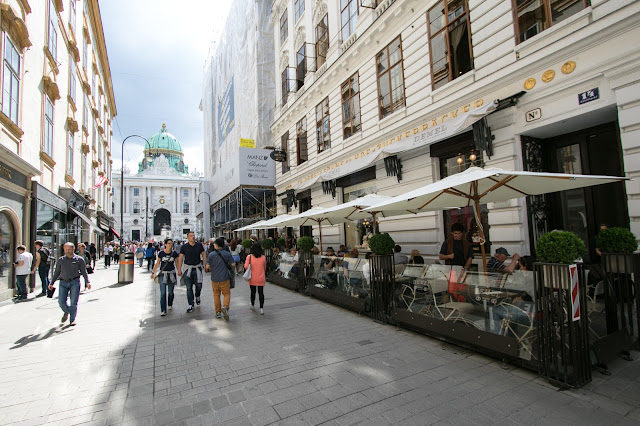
x: 42, y: 265
x: 234, y: 250
x: 84, y: 254
x: 107, y: 255
x: 140, y: 254
x: 69, y: 268
x: 220, y: 263
x: 149, y: 255
x: 257, y: 281
x: 23, y: 270
x: 166, y: 261
x: 116, y: 253
x: 94, y: 254
x: 191, y: 263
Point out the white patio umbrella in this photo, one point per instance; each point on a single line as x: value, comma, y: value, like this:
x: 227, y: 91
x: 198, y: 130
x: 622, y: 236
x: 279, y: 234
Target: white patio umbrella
x: 248, y: 227
x: 353, y: 210
x: 476, y: 185
x: 313, y: 215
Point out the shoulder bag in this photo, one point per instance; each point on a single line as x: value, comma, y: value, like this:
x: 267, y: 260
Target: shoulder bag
x: 232, y: 282
x: 155, y: 279
x: 247, y: 273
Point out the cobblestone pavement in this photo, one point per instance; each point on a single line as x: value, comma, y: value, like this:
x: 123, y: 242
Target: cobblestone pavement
x: 303, y: 362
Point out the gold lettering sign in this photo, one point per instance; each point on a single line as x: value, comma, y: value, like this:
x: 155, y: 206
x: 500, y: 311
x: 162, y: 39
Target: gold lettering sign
x: 5, y: 172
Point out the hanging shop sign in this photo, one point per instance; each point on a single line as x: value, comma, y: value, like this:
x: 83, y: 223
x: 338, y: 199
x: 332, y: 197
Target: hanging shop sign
x: 430, y: 131
x: 278, y: 155
x: 246, y: 166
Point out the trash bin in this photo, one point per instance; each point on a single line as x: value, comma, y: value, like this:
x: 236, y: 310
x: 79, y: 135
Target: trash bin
x: 125, y: 270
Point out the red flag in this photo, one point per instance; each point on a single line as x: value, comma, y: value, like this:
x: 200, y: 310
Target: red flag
x: 101, y: 181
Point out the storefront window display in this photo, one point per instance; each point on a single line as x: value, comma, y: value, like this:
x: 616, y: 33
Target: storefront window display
x: 7, y: 247
x: 50, y: 226
x: 357, y: 232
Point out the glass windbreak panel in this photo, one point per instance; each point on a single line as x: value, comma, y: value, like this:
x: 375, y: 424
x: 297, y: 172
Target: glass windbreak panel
x: 347, y: 275
x: 496, y: 303
x: 286, y: 264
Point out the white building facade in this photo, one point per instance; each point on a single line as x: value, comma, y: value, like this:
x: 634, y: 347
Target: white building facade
x: 56, y: 126
x: 358, y: 77
x: 160, y: 200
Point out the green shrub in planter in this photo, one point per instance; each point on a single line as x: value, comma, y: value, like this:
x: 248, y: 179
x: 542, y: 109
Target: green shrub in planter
x: 616, y: 240
x: 381, y: 244
x: 559, y: 247
x: 266, y: 244
x: 305, y: 243
x: 247, y: 243
x: 280, y: 243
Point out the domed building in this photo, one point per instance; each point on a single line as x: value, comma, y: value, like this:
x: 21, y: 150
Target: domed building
x: 160, y: 199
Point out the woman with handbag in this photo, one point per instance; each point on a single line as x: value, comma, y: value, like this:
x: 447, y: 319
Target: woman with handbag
x: 167, y: 276
x: 256, y: 267
x: 140, y: 254
x: 234, y: 249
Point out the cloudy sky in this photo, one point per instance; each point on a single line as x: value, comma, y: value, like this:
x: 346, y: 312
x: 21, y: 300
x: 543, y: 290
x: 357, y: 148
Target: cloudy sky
x: 157, y: 50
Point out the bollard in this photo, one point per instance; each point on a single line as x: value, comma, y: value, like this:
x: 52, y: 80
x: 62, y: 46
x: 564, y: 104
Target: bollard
x: 125, y: 268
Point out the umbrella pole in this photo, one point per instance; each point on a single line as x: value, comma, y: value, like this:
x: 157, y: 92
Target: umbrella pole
x: 373, y: 216
x: 320, y: 230
x: 476, y: 205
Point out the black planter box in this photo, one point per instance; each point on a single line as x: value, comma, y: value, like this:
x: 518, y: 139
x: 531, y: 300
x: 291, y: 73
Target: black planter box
x: 283, y: 282
x: 355, y: 304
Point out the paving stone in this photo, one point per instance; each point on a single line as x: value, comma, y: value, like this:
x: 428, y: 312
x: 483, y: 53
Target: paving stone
x: 230, y: 412
x: 183, y: 413
x: 219, y: 402
x: 255, y: 404
x: 236, y: 396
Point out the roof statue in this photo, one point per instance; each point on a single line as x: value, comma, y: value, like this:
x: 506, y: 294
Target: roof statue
x: 163, y: 154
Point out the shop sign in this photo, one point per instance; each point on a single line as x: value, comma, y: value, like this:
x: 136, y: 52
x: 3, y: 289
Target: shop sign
x: 533, y: 115
x: 48, y: 197
x: 226, y: 118
x: 588, y: 96
x: 246, y: 166
x: 278, y: 155
x: 247, y: 143
x: 13, y: 176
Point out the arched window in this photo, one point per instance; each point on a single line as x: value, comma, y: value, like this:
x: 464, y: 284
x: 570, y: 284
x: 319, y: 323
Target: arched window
x: 136, y: 207
x: 185, y: 208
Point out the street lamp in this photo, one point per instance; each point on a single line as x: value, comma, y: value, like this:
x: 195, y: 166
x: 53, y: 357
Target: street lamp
x: 122, y: 186
x: 206, y: 218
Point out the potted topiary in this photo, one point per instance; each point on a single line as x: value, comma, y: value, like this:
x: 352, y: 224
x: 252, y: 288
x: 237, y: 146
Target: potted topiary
x: 560, y: 298
x: 382, y: 275
x: 246, y: 245
x: 305, y: 260
x: 617, y: 246
x: 281, y: 243
x: 267, y: 247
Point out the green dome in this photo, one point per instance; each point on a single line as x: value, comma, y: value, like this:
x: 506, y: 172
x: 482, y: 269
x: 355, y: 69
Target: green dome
x: 162, y: 140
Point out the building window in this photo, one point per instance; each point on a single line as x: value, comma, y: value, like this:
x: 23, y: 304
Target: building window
x: 284, y: 27
x: 185, y: 207
x: 136, y: 192
x: 284, y: 146
x: 72, y: 15
x: 93, y: 137
x: 93, y: 84
x: 301, y: 67
x: 52, y: 35
x: 72, y: 79
x: 70, y: 144
x: 390, y: 78
x: 349, y: 17
x: 85, y: 115
x: 136, y: 207
x: 83, y: 172
x: 298, y: 9
x: 322, y: 41
x: 11, y: 80
x: 351, y: 106
x: 301, y: 140
x: 47, y: 144
x: 285, y: 86
x: 322, y: 125
x: 449, y: 41
x: 85, y: 53
x: 185, y: 193
x: 533, y: 17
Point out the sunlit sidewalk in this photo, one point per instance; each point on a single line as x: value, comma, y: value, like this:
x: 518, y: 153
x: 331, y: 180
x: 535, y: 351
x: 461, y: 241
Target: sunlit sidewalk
x: 303, y: 362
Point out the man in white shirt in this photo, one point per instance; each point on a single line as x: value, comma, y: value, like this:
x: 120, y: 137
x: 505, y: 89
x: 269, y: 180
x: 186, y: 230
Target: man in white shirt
x: 23, y: 269
x: 108, y: 252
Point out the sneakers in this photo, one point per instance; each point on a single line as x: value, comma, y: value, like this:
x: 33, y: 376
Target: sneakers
x: 218, y: 315
x: 41, y: 294
x: 190, y: 309
x: 163, y: 313
x: 253, y: 308
x: 170, y: 307
x: 65, y: 317
x: 197, y: 300
x: 261, y: 311
x: 225, y: 314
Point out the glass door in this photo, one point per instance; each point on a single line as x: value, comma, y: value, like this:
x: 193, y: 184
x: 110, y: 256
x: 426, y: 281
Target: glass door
x: 573, y: 204
x: 7, y: 249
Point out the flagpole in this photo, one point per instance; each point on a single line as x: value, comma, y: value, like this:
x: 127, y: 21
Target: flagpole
x: 122, y: 186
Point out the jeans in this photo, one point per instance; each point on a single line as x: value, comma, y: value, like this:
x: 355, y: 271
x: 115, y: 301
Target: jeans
x: 107, y: 260
x: 163, y: 293
x: 69, y: 289
x: 21, y: 284
x: 189, y: 282
x: 43, y: 272
x: 141, y: 260
x: 260, y: 289
x: 224, y: 289
x: 501, y: 312
x: 149, y: 263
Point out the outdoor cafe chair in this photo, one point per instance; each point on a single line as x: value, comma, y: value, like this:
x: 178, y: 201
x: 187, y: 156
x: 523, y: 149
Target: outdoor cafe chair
x: 523, y: 332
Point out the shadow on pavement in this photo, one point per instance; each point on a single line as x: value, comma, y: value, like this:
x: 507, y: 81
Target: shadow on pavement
x: 31, y: 338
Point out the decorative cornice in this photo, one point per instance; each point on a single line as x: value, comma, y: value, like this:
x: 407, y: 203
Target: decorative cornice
x: 52, y: 61
x: 101, y: 48
x: 72, y: 125
x: 46, y: 159
x: 319, y: 10
x: 15, y: 26
x: 51, y: 88
x: 59, y: 5
x: 73, y: 49
x: 25, y: 6
x: 11, y: 126
x: 85, y: 148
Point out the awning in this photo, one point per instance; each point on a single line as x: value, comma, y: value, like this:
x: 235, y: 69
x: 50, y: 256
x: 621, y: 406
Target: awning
x: 416, y: 138
x: 93, y: 227
x: 115, y: 233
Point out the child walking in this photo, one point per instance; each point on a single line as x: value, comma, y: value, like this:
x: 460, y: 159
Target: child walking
x: 257, y: 281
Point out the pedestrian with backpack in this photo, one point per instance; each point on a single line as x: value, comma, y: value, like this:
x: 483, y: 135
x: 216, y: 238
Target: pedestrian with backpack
x: 257, y: 279
x: 42, y: 265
